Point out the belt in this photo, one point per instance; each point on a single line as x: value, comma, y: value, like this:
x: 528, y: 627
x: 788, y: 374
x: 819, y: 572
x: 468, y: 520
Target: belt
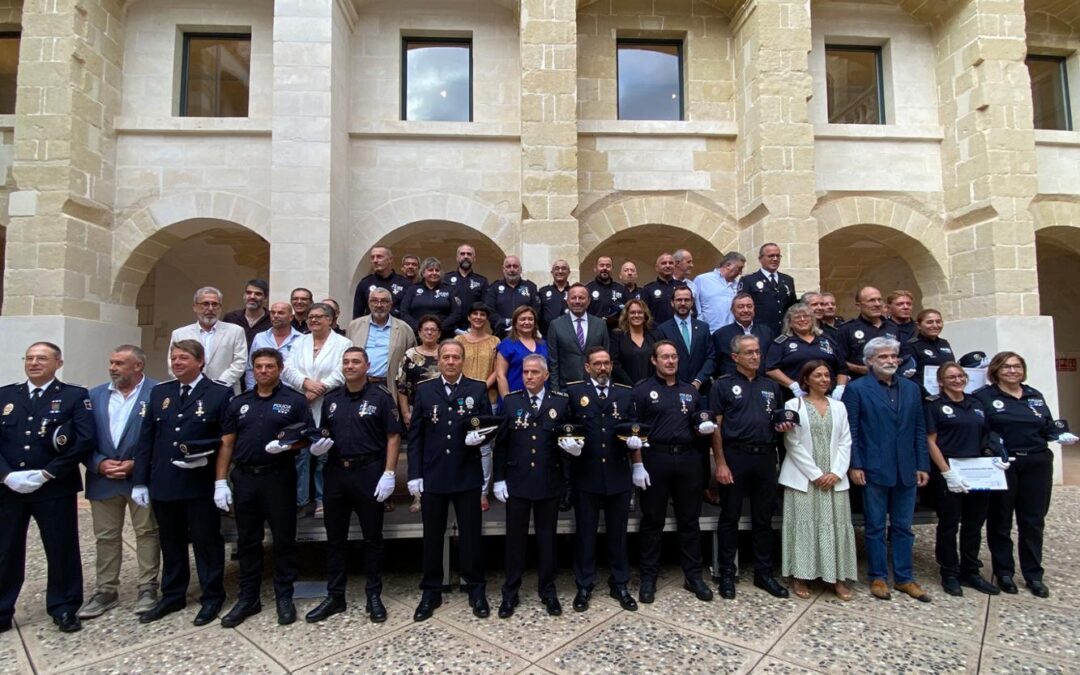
x: 751, y: 449
x: 265, y: 469
x: 1025, y: 453
x: 357, y: 461
x: 670, y: 449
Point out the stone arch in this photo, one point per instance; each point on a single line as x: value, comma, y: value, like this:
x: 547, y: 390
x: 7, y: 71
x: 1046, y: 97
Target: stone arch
x: 141, y: 240
x: 1058, y: 220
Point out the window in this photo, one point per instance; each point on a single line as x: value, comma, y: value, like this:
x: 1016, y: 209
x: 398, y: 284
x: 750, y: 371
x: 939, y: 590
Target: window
x: 215, y: 75
x: 1049, y: 92
x: 650, y: 79
x: 853, y: 82
x: 436, y: 79
x: 9, y: 67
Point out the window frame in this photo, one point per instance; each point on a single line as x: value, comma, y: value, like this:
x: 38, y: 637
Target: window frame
x: 680, y: 46
x: 16, y: 34
x: 404, y: 94
x: 1063, y: 72
x: 879, y: 62
x: 185, y: 53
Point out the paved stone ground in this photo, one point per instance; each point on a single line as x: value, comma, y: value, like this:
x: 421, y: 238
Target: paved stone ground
x: 677, y: 634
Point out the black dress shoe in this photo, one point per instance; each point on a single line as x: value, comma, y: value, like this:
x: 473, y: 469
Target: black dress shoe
x: 159, y: 611
x: 647, y: 592
x: 626, y: 601
x: 566, y: 501
x: 480, y: 607
x: 976, y: 582
x: 67, y: 622
x: 771, y: 586
x: 5, y: 625
x: 207, y: 613
x: 240, y: 611
x: 327, y: 608
x: 1038, y: 588
x: 375, y: 608
x: 506, y: 607
x: 1007, y: 585
x: 699, y: 589
x: 581, y: 600
x: 286, y: 611
x: 726, y: 587
x: 552, y: 605
x: 428, y: 604
x: 951, y: 585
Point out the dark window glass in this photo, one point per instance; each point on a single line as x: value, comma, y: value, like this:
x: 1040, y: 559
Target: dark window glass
x: 216, y: 75
x: 437, y: 79
x: 853, y: 82
x: 650, y: 80
x: 9, y: 68
x: 1049, y: 92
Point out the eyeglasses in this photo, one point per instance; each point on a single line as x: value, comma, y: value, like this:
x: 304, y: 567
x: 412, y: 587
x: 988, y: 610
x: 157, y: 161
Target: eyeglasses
x: 959, y: 378
x: 317, y: 317
x: 208, y: 305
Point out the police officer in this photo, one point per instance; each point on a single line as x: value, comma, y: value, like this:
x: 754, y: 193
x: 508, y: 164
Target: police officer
x: 670, y: 470
x: 264, y: 481
x: 529, y: 477
x: 431, y: 296
x: 798, y: 345
x: 870, y: 324
x: 553, y: 296
x: 658, y: 294
x: 465, y: 283
x: 365, y: 436
x: 46, y: 429
x: 184, y: 417
x: 444, y: 468
x: 606, y: 296
x: 601, y: 479
x: 927, y: 348
x: 509, y: 293
x: 744, y: 448
x: 773, y: 290
x: 382, y: 276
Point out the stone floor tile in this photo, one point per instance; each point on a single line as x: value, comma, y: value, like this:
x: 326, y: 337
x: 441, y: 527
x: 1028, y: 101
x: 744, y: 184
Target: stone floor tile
x: 997, y: 661
x: 211, y: 651
x: 771, y: 666
x: 1034, y: 626
x: 13, y: 658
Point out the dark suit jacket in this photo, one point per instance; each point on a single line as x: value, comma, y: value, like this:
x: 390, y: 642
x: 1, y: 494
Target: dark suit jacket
x: 889, y: 445
x: 722, y: 338
x: 566, y: 359
x: 437, y: 450
x: 98, y: 486
x: 770, y: 302
x: 699, y: 363
x: 603, y: 468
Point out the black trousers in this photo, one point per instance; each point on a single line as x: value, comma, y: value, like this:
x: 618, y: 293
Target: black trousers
x: 435, y: 509
x: 616, y: 508
x: 58, y: 524
x: 546, y: 514
x: 1030, y: 481
x: 676, y: 478
x: 958, y: 513
x: 347, y: 491
x: 269, y: 499
x: 755, y: 477
x: 197, y: 521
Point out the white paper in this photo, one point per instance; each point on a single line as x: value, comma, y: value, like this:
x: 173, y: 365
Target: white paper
x: 976, y: 379
x: 979, y: 473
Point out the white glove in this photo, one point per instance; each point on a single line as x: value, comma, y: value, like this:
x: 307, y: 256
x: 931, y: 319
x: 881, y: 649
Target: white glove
x: 474, y: 438
x: 275, y: 447
x: 140, y: 494
x: 24, y: 482
x: 706, y: 428
x: 634, y: 443
x: 641, y: 476
x: 500, y: 491
x: 385, y: 488
x: 838, y: 392
x: 190, y: 464
x: 321, y: 447
x: 955, y: 483
x: 1001, y: 464
x: 909, y: 373
x: 571, y: 446
x: 222, y: 494
x: 1067, y: 438
x: 796, y: 389
x: 416, y: 487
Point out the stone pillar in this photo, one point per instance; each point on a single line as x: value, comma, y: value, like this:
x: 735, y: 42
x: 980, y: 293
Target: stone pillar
x: 776, y: 190
x: 549, y: 186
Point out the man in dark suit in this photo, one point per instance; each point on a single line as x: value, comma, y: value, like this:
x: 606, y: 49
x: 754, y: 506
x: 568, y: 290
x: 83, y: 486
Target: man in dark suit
x: 183, y: 418
x: 772, y: 290
x: 889, y: 458
x: 691, y: 337
x: 444, y: 468
x: 46, y: 430
x: 571, y: 336
x: 119, y: 409
x: 742, y: 309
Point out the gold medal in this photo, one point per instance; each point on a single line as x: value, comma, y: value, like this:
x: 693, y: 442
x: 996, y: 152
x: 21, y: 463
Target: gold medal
x: 584, y: 401
x: 552, y: 414
x: 8, y: 408
x: 165, y: 404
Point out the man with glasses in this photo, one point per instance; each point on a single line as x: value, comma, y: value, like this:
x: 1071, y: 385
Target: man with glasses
x: 772, y: 290
x: 382, y: 276
x: 857, y: 333
x: 301, y: 300
x: 384, y: 338
x: 553, y: 296
x: 224, y: 344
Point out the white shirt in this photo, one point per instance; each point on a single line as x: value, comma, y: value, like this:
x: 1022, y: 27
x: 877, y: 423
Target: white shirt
x: 598, y: 387
x: 323, y: 367
x: 120, y: 408
x: 539, y: 397
x: 448, y: 385
x: 206, y: 337
x: 44, y: 388
x: 584, y: 319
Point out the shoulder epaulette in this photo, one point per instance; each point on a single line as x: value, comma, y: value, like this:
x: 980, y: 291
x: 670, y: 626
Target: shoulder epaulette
x: 985, y: 386
x: 933, y: 397
x: 725, y: 376
x: 781, y: 339
x: 624, y: 386
x: 559, y: 393
x: 575, y: 382
x: 516, y: 391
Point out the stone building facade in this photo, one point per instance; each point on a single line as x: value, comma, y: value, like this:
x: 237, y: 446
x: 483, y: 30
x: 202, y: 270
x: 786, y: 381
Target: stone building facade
x: 116, y: 207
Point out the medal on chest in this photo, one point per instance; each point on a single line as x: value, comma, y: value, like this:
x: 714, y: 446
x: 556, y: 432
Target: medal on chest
x: 685, y: 399
x: 434, y: 414
x: 199, y: 410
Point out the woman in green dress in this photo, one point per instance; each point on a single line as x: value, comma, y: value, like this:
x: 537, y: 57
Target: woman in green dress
x: 818, y: 538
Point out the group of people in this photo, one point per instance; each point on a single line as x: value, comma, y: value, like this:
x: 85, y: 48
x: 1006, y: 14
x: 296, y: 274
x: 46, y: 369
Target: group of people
x: 567, y: 396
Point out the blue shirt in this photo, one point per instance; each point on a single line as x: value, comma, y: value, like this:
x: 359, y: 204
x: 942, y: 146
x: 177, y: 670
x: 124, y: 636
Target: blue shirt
x: 266, y: 340
x: 378, y: 349
x: 515, y: 352
x: 713, y: 299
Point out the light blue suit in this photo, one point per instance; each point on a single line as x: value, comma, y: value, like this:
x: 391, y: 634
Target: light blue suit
x: 97, y: 486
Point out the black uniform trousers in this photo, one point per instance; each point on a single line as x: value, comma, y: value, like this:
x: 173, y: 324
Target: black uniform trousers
x: 755, y: 477
x: 675, y: 477
x: 434, y: 511
x: 197, y: 521
x: 546, y: 515
x: 58, y: 523
x: 270, y: 498
x: 348, y: 490
x: 1030, y: 479
x: 963, y: 513
x: 587, y: 507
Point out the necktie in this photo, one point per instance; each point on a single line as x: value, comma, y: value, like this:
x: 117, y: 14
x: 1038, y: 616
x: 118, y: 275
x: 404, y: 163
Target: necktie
x: 773, y: 279
x: 602, y: 392
x: 535, y: 402
x: 184, y: 392
x: 450, y: 389
x: 580, y: 333
x: 685, y: 330
x: 35, y: 395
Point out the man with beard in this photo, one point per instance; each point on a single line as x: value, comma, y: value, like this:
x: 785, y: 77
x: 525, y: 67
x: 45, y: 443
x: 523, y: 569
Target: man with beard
x: 509, y: 293
x: 553, y: 296
x: 382, y: 276
x: 606, y: 296
x: 467, y: 286
x: 280, y: 336
x: 410, y: 268
x: 253, y: 318
x: 224, y: 344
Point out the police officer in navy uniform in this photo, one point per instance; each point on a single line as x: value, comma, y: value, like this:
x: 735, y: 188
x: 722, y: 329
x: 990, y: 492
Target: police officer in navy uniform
x: 871, y: 323
x: 606, y: 296
x: 927, y: 348
x: 465, y: 283
x: 444, y: 468
x: 799, y: 344
x: 189, y: 409
x: 263, y: 482
x: 509, y: 293
x: 528, y: 477
x: 670, y: 470
x: 601, y: 479
x: 365, y: 433
x: 46, y: 430
x: 657, y: 294
x: 382, y: 276
x: 745, y: 450
x: 432, y: 296
x: 773, y: 291
x: 553, y: 296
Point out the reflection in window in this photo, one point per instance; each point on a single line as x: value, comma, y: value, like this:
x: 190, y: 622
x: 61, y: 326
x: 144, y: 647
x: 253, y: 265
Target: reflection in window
x: 1049, y: 92
x: 437, y: 79
x: 853, y: 83
x: 216, y: 75
x: 9, y: 67
x: 650, y: 79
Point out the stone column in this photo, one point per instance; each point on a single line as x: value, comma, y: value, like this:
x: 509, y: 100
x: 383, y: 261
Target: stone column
x: 549, y: 187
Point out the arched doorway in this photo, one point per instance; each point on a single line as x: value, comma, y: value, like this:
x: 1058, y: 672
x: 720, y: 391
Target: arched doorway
x: 1057, y: 254
x: 642, y: 244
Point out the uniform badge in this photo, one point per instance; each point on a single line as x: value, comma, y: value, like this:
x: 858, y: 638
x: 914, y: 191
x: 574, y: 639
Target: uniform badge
x: 656, y: 293
x: 998, y: 405
x: 654, y: 396
x: 792, y: 346
x: 548, y: 294
x: 596, y: 294
x: 947, y: 409
x: 244, y: 408
x: 165, y: 404
x: 88, y: 405
x: 420, y: 291
x: 371, y: 288
x: 584, y: 402
x: 199, y: 410
x: 737, y: 390
x: 760, y: 285
x: 928, y: 352
x: 859, y: 335
x: 54, y: 406
x: 453, y: 280
x: 552, y: 414
x: 8, y: 408
x: 469, y: 402
x: 501, y: 288
x: 333, y: 407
